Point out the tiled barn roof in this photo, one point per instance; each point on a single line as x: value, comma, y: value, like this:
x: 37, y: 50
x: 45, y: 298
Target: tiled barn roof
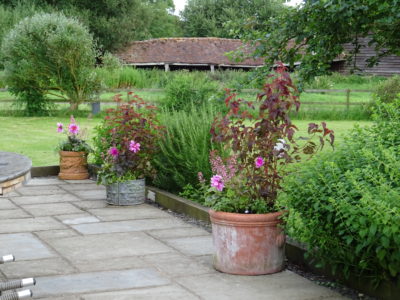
x: 209, y: 51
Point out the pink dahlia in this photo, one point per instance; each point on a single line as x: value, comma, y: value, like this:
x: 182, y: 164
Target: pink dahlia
x: 73, y: 128
x: 113, y: 151
x: 259, y: 162
x: 60, y: 127
x: 216, y: 181
x: 134, y: 147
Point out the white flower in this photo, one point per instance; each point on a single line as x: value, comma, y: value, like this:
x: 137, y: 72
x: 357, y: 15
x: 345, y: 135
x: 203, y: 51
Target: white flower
x: 280, y: 146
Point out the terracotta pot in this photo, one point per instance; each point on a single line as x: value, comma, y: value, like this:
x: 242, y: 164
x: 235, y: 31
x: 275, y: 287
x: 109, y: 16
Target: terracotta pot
x: 248, y: 244
x: 73, y: 165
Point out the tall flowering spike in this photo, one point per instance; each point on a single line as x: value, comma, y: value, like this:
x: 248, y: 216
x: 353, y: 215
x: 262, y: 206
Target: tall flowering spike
x: 216, y: 181
x: 60, y: 127
x: 200, y: 177
x: 113, y: 151
x: 73, y: 128
x: 259, y: 162
x: 134, y: 147
x: 72, y: 120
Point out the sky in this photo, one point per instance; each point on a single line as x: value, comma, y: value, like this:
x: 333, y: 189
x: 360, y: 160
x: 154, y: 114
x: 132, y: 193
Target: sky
x: 180, y: 4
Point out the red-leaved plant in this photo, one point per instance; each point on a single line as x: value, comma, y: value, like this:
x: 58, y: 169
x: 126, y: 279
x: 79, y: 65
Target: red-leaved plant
x: 127, y: 141
x: 259, y: 139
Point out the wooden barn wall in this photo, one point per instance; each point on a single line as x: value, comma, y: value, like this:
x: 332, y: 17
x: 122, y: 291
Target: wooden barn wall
x: 389, y: 65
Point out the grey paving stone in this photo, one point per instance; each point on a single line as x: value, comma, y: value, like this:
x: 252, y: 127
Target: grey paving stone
x: 281, y: 286
x: 198, y: 245
x: 98, y: 194
x: 83, y: 186
x: 99, y: 281
x: 13, y: 214
x: 91, y: 204
x: 55, y: 234
x: 51, y: 209
x: 169, y: 292
x: 117, y: 263
x: 69, y: 297
x: 84, y: 181
x: 29, y: 224
x: 77, y: 219
x: 24, y: 246
x: 127, y: 226
x: 117, y: 213
x: 35, y: 268
x: 40, y: 190
x: 12, y: 194
x: 44, y: 181
x: 178, y: 232
x: 6, y: 204
x: 175, y: 264
x: 106, y: 246
x: 25, y: 200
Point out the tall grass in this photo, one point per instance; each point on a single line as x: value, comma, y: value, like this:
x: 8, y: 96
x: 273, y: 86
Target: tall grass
x: 185, y: 148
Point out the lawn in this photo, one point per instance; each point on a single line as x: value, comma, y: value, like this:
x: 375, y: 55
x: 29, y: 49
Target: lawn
x: 37, y: 138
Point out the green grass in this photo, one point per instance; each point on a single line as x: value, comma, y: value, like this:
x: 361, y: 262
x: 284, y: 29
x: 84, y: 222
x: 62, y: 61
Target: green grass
x: 37, y: 137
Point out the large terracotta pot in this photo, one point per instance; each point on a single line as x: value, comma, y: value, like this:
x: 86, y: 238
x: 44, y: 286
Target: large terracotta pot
x: 248, y: 244
x: 73, y: 165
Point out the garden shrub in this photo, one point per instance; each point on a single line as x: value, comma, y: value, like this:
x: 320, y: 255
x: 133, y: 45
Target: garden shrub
x: 186, y: 89
x: 346, y: 204
x: 49, y: 54
x: 185, y: 148
x: 388, y: 90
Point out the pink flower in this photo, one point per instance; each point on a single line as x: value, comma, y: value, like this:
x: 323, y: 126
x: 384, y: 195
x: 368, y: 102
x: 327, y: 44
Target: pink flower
x: 113, y: 151
x: 60, y: 127
x: 200, y: 177
x: 73, y: 128
x: 216, y: 181
x: 134, y: 147
x: 72, y: 119
x: 259, y: 162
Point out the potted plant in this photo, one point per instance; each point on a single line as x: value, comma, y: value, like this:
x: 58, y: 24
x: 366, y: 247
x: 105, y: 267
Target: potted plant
x: 73, y: 153
x: 125, y: 144
x: 259, y: 142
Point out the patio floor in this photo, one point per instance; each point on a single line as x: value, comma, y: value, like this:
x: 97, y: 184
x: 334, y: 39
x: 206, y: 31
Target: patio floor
x: 77, y: 247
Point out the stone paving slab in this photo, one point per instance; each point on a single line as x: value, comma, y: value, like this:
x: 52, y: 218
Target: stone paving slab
x: 40, y: 190
x: 55, y: 234
x: 98, y: 281
x: 118, y: 213
x: 6, y: 204
x: 89, y: 204
x: 51, y: 209
x: 283, y: 285
x: 24, y: 246
x: 82, y: 186
x: 44, y: 181
x: 29, y: 225
x: 199, y: 245
x: 13, y: 214
x: 25, y: 200
x: 114, y: 263
x: 105, y: 246
x: 178, y: 232
x: 78, y: 219
x: 35, y: 268
x: 129, y: 226
x: 97, y: 194
x: 169, y: 292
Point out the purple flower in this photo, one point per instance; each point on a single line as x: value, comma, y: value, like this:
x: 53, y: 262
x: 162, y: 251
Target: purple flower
x: 60, y: 127
x: 216, y: 181
x: 134, y: 147
x: 259, y: 162
x: 73, y: 128
x: 113, y: 151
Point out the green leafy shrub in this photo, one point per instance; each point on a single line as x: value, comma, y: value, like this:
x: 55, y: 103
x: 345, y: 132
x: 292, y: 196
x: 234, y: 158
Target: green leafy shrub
x: 185, y: 148
x: 346, y: 205
x: 186, y: 89
x: 320, y: 82
x: 388, y: 90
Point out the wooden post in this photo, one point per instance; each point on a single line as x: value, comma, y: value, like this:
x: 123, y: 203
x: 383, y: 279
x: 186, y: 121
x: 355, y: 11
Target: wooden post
x: 348, y: 99
x: 166, y: 67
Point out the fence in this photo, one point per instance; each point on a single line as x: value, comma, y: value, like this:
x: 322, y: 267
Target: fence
x: 96, y: 106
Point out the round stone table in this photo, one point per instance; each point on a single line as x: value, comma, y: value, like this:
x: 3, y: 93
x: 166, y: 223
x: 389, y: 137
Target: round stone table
x: 15, y: 169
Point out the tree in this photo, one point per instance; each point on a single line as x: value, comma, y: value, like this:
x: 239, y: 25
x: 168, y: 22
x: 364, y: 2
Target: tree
x: 223, y: 18
x: 49, y: 54
x: 315, y: 32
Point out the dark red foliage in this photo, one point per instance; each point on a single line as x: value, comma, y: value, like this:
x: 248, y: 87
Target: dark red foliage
x: 253, y: 129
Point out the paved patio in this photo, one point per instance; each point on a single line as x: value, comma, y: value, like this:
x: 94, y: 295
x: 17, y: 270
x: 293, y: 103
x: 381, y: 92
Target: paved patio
x: 77, y: 247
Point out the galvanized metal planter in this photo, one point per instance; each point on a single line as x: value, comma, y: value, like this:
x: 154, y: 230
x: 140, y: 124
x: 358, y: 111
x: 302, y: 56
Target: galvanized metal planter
x: 131, y: 192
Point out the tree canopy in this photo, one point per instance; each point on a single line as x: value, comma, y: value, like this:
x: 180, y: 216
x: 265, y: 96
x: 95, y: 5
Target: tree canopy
x: 223, y: 18
x: 314, y: 33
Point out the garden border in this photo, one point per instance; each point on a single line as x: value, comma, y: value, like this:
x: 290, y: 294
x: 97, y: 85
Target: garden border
x: 293, y: 250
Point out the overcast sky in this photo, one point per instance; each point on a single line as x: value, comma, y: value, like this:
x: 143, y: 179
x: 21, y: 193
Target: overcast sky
x: 180, y: 4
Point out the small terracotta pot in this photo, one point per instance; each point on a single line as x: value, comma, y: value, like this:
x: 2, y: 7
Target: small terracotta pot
x: 248, y: 244
x: 73, y: 165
